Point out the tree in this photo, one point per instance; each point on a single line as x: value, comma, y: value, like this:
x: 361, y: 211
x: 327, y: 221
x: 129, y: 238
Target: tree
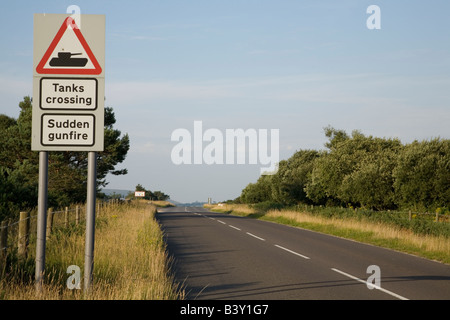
x: 371, y: 183
x: 18, y: 164
x: 357, y: 170
x: 14, y: 194
x: 258, y: 192
x: 149, y: 195
x: 67, y: 169
x: 329, y: 169
x: 15, y: 138
x: 70, y: 164
x: 161, y: 196
x: 422, y: 175
x: 6, y: 122
x: 115, y: 151
x: 288, y: 184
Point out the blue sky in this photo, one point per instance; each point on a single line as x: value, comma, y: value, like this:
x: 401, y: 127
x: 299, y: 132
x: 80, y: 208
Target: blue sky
x: 297, y: 66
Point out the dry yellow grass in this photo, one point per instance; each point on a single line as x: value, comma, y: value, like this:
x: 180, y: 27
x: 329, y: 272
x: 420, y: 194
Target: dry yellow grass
x: 378, y: 230
x: 130, y: 261
x: 161, y: 203
x: 238, y: 209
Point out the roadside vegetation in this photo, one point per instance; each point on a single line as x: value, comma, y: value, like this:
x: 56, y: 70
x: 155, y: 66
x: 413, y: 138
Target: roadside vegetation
x: 67, y: 170
x: 370, y: 189
x: 148, y: 194
x: 422, y: 236
x: 130, y: 260
x: 358, y: 171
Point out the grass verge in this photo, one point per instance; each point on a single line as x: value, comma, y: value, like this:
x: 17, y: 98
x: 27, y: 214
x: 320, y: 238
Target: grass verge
x: 130, y: 261
x: 376, y: 233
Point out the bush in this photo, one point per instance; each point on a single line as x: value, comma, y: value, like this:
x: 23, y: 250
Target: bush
x: 267, y: 205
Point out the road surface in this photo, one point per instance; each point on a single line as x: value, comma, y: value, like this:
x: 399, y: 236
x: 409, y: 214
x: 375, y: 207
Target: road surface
x: 220, y: 256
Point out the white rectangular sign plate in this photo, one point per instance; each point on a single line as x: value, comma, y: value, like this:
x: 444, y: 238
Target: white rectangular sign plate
x: 68, y: 130
x: 68, y: 93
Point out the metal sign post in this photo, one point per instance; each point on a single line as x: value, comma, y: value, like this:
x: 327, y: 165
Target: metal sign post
x: 90, y: 219
x: 42, y: 219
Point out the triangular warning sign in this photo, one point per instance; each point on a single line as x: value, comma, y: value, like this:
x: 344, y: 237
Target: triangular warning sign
x: 69, y: 53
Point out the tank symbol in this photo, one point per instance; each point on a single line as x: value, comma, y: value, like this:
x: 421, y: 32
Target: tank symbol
x: 65, y: 60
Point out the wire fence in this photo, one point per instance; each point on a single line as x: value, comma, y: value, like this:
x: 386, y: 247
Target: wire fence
x: 17, y: 235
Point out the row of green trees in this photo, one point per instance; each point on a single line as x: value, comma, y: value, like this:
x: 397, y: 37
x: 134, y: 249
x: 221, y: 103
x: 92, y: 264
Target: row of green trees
x: 19, y: 166
x: 361, y: 171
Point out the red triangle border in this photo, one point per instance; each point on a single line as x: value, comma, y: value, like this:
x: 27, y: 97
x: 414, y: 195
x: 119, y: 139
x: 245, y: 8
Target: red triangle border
x: 40, y: 67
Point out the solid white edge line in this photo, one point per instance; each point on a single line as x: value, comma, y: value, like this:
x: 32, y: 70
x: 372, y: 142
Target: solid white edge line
x: 376, y: 287
x: 234, y: 227
x: 251, y: 234
x: 293, y: 252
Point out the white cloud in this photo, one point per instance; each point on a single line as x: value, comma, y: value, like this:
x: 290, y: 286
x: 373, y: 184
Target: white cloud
x: 137, y: 92
x: 352, y: 88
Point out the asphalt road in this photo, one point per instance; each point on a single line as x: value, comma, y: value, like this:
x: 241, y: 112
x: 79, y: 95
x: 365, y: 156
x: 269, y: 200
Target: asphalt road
x: 219, y: 256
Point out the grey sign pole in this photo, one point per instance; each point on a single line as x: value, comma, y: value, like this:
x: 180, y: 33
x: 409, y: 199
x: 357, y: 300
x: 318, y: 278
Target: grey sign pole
x: 42, y: 218
x: 90, y: 219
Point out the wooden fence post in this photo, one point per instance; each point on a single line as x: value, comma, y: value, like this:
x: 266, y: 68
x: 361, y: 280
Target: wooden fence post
x: 24, y: 234
x: 3, y: 239
x: 49, y: 222
x: 77, y: 215
x: 66, y: 217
